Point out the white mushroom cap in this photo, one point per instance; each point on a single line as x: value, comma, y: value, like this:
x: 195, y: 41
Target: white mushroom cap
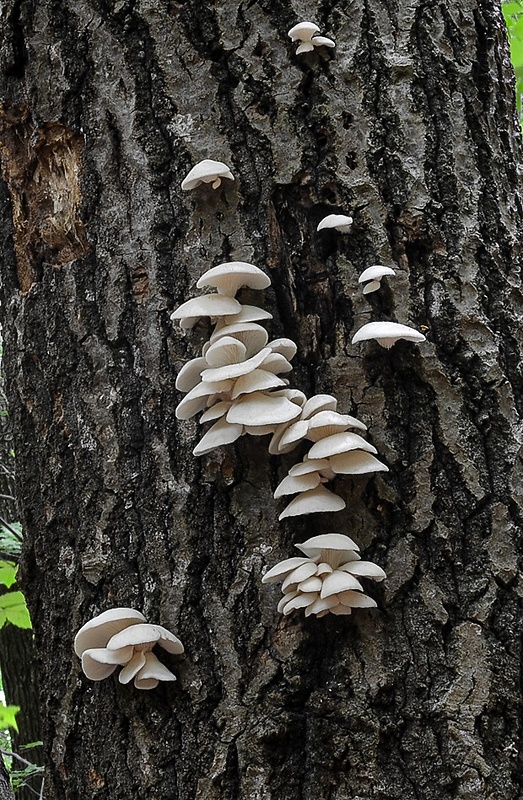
x: 291, y: 436
x: 356, y: 462
x: 227, y: 278
x: 340, y: 222
x: 285, y: 347
x: 198, y: 398
x: 99, y: 662
x: 297, y: 575
x: 317, y: 545
x: 301, y: 600
x: 262, y: 409
x: 221, y: 433
x: 340, y: 443
x: 328, y: 423
x: 356, y: 599
x: 143, y: 634
x: 365, y: 569
x: 151, y: 673
x: 303, y: 31
x: 339, y: 581
x: 207, y: 305
x: 313, y: 501
x: 276, y: 363
x: 317, y: 403
x: 293, y: 485
x: 234, y: 370
x: 321, y: 606
x: 322, y: 41
x: 97, y: 632
x: 216, y: 411
x: 374, y: 275
x: 283, y: 568
x: 190, y: 374
x: 224, y: 351
x: 207, y: 171
x: 247, y: 314
x: 305, y: 47
x: 312, y: 465
x: 253, y: 336
x: 259, y: 380
x: 387, y: 333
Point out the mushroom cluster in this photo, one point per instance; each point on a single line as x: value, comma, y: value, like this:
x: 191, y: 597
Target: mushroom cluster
x: 326, y: 579
x: 123, y: 637
x: 307, y: 34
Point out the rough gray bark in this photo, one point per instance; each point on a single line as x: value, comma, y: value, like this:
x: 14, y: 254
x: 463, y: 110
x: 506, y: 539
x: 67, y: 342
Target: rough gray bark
x: 6, y: 793
x: 410, y: 127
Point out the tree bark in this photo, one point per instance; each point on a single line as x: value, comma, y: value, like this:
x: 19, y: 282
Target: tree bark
x: 409, y: 126
x: 6, y: 793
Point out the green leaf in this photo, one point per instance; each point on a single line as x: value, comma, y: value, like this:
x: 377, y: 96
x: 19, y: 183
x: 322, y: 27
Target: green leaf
x: 14, y: 610
x: 8, y: 573
x: 7, y: 716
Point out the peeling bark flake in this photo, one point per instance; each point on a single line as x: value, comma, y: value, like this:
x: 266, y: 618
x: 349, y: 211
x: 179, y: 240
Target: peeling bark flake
x: 42, y: 169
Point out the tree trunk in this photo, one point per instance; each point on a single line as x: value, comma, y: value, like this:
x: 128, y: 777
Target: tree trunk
x: 6, y: 793
x: 409, y: 126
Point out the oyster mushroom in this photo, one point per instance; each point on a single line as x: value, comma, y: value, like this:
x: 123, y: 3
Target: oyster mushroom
x: 207, y: 171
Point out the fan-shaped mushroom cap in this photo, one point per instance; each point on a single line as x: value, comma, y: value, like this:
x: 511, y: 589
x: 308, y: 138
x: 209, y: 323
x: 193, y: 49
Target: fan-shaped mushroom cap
x: 207, y: 171
x: 285, y: 347
x: 196, y: 400
x: 312, y: 465
x: 143, y: 634
x: 253, y: 336
x: 312, y: 584
x: 264, y: 409
x: 374, y: 275
x: 99, y: 662
x: 387, y: 333
x: 247, y: 314
x: 297, y: 575
x: 224, y: 351
x: 301, y: 600
x: 293, y: 485
x: 317, y: 403
x: 283, y: 568
x: 151, y: 673
x: 292, y: 435
x: 364, y: 569
x: 339, y: 581
x: 276, y: 363
x: 259, y: 380
x: 339, y: 443
x: 313, y: 501
x: 340, y: 222
x: 356, y: 599
x: 322, y: 41
x: 356, y: 462
x: 190, y: 374
x: 303, y: 31
x: 227, y: 278
x: 216, y: 411
x: 207, y: 305
x: 328, y: 423
x: 321, y: 605
x: 316, y: 546
x: 234, y: 370
x: 97, y: 632
x: 222, y: 432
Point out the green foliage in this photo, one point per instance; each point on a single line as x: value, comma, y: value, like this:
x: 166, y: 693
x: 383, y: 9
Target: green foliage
x: 7, y: 573
x: 20, y: 777
x: 8, y: 716
x: 513, y: 13
x: 14, y: 610
x: 11, y: 540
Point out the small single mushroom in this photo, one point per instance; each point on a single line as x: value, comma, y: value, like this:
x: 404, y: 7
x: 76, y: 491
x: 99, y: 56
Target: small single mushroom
x: 207, y: 171
x: 387, y: 333
x: 307, y: 34
x: 372, y: 277
x: 227, y: 278
x: 340, y: 222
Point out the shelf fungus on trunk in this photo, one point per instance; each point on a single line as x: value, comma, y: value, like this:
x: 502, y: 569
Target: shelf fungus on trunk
x: 122, y: 637
x: 327, y: 579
